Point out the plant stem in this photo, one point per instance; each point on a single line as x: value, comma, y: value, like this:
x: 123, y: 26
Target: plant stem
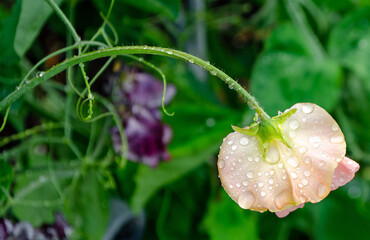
x: 131, y: 50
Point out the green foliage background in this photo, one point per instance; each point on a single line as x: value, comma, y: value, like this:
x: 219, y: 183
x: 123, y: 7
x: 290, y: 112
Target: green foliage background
x: 282, y: 51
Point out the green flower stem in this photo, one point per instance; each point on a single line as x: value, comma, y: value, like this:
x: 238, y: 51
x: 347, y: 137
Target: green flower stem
x: 131, y: 50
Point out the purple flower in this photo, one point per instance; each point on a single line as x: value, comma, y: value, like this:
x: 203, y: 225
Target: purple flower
x: 138, y: 99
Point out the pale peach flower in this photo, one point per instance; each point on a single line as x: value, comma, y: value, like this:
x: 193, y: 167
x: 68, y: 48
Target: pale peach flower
x: 284, y: 162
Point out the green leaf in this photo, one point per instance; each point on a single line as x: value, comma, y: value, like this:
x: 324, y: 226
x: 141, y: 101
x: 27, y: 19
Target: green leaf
x: 31, y: 20
x: 87, y: 206
x: 36, y: 197
x: 280, y: 80
x: 350, y: 42
x: 287, y: 73
x: 225, y: 220
x: 149, y: 180
x: 169, y: 8
x: 6, y: 176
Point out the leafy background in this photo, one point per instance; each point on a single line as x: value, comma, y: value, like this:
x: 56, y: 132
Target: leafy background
x: 283, y: 52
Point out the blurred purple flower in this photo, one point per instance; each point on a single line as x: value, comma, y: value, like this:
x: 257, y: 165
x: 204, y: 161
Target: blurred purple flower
x: 138, y: 99
x: 59, y: 230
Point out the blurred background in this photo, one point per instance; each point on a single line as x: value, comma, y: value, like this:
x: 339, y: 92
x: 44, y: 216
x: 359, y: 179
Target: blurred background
x: 64, y: 178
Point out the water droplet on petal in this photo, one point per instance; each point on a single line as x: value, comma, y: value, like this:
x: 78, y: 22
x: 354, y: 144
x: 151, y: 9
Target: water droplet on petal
x: 263, y: 194
x: 335, y: 127
x: 246, y: 200
x: 321, y: 163
x: 221, y: 163
x: 293, y: 175
x: 244, y: 141
x: 280, y: 165
x: 307, y: 108
x: 230, y: 142
x: 293, y: 124
x: 234, y: 147
x: 271, y: 181
x: 272, y: 172
x: 304, y: 182
x: 272, y: 155
x: 307, y: 160
x: 302, y: 150
x: 231, y: 186
x: 169, y: 51
x: 260, y: 184
x: 314, y: 139
x: 282, y: 199
x: 337, y: 139
x: 250, y: 159
x: 238, y: 185
x: 306, y: 173
x: 293, y: 161
x: 191, y: 60
x: 250, y: 174
x: 323, y: 190
x: 245, y: 183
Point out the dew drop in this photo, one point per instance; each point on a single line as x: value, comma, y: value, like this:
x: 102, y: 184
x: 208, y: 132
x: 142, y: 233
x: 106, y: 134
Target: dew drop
x: 191, y: 60
x: 272, y: 155
x: 230, y: 142
x: 244, y: 141
x: 246, y: 200
x: 307, y: 160
x: 284, y: 177
x: 272, y: 172
x: 337, y: 139
x: 250, y: 174
x: 302, y: 150
x: 263, y: 194
x: 292, y: 134
x: 307, y: 108
x: 231, y: 186
x: 280, y: 165
x: 214, y: 73
x: 250, y: 159
x: 260, y: 184
x: 221, y: 163
x: 234, y: 147
x: 256, y: 159
x: 293, y: 175
x: 314, y: 139
x: 169, y: 51
x: 293, y: 124
x: 300, y: 185
x: 306, y: 173
x: 335, y: 127
x: 245, y: 183
x: 293, y: 161
x: 238, y: 185
x: 321, y: 163
x: 323, y: 190
x: 341, y: 180
x: 282, y: 199
x: 259, y: 174
x: 271, y: 181
x: 304, y: 182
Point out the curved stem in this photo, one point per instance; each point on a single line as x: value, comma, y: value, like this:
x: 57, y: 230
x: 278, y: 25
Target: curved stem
x: 129, y: 50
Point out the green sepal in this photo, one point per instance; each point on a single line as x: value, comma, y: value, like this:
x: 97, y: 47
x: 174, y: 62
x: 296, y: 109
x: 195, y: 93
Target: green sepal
x: 251, y: 130
x: 282, y: 117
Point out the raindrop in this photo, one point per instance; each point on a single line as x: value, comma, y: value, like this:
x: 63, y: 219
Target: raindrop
x: 250, y: 174
x: 191, y: 60
x: 314, y: 139
x: 221, y: 163
x: 293, y: 161
x: 300, y: 185
x: 280, y: 165
x: 260, y: 174
x: 40, y: 74
x: 207, y: 62
x: 304, y: 182
x: 341, y: 180
x: 256, y: 159
x: 250, y: 159
x: 284, y: 177
x: 294, y: 175
x: 293, y: 124
x: 321, y: 163
x: 335, y: 127
x: 230, y: 142
x: 271, y: 181
x: 306, y: 173
x: 302, y: 150
x: 228, y: 79
x: 244, y: 141
x: 323, y: 190
x: 169, y: 51
x: 307, y: 108
x: 18, y: 87
x: 263, y: 194
x: 245, y: 183
x: 272, y: 172
x: 238, y: 185
x: 246, y: 200
x: 337, y: 139
x: 260, y: 184
x: 231, y: 186
x: 272, y: 155
x: 214, y: 73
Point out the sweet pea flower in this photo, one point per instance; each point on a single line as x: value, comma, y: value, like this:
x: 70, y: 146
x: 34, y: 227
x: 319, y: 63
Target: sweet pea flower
x: 283, y: 162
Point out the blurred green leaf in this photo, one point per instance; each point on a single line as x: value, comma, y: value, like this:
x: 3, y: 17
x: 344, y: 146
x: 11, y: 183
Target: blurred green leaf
x: 149, y: 180
x: 169, y: 8
x: 350, y: 42
x: 225, y: 220
x: 36, y: 197
x: 6, y: 176
x: 286, y: 74
x: 31, y: 20
x: 87, y: 206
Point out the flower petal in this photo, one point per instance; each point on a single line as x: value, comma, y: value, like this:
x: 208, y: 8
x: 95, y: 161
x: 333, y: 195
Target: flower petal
x: 344, y: 173
x: 285, y: 212
x: 318, y: 146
